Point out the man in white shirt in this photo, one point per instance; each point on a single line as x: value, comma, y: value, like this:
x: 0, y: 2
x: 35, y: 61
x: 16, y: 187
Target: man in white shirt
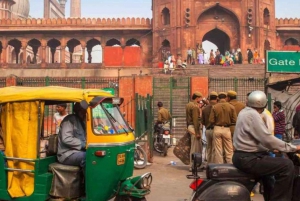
x: 59, y: 115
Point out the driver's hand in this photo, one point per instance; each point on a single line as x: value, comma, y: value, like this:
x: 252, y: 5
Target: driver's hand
x: 298, y: 147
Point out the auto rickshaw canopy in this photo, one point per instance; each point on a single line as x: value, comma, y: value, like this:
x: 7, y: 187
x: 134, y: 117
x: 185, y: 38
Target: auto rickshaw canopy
x: 50, y: 93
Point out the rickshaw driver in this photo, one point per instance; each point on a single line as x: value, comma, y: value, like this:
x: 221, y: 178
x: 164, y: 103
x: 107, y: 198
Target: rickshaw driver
x: 72, y: 138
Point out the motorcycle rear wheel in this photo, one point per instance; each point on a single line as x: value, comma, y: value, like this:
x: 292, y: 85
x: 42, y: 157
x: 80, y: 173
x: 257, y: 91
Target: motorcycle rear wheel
x: 157, y: 145
x: 140, y: 158
x: 166, y: 146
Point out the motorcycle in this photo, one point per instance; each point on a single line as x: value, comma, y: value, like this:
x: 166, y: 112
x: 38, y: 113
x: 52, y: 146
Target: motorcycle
x: 162, y: 138
x: 225, y: 182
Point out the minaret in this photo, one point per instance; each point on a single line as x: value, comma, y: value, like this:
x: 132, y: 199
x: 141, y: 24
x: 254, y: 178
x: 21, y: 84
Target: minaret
x: 63, y: 5
x: 5, y: 8
x: 75, y: 9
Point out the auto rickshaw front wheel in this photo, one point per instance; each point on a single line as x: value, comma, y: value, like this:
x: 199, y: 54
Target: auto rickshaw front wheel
x: 128, y: 198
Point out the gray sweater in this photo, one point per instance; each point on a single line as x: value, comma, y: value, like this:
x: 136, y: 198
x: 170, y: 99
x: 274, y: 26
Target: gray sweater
x: 252, y: 135
x: 71, y: 137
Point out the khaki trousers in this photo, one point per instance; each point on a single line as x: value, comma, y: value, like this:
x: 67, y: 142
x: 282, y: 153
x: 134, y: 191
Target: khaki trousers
x: 196, y: 144
x: 222, y: 143
x: 209, y: 147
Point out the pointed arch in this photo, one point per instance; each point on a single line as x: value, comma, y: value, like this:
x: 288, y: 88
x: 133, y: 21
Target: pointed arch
x: 219, y: 21
x: 165, y: 49
x: 113, y: 53
x: 53, y: 44
x: 113, y: 42
x: 291, y: 41
x: 133, y: 42
x: 165, y: 16
x: 266, y: 16
x: 16, y: 44
x: 94, y: 51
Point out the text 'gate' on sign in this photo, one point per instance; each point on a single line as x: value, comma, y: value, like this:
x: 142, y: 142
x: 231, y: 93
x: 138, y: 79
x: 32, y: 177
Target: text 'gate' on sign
x: 283, y: 61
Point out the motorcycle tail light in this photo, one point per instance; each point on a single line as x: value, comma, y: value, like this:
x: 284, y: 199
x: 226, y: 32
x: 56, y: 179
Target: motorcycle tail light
x: 167, y: 132
x: 195, y: 184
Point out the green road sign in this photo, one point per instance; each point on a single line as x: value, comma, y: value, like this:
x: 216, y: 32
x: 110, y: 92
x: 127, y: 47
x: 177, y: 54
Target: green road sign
x: 283, y: 62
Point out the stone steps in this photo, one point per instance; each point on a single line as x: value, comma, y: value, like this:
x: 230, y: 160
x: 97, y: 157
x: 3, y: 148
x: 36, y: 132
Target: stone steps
x: 241, y: 70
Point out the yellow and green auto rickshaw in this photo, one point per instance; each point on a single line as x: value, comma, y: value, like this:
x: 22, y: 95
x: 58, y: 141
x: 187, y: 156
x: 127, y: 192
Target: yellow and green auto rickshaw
x: 29, y: 169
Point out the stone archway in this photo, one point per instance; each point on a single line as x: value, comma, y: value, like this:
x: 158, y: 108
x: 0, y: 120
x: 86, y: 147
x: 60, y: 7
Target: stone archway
x: 219, y: 38
x: 219, y: 26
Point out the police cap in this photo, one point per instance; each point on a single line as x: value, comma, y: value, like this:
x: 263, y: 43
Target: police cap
x: 231, y: 93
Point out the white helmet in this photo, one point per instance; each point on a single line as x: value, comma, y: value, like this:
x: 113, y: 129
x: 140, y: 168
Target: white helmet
x: 257, y: 99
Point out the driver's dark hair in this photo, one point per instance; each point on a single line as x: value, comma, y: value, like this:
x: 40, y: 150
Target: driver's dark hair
x: 160, y: 104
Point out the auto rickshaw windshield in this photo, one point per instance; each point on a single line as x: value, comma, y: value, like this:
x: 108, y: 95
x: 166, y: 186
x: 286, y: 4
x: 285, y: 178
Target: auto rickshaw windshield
x: 107, y: 119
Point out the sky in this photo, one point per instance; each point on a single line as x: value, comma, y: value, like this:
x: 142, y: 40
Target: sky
x: 142, y: 8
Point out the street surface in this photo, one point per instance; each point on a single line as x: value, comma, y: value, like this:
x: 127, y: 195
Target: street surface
x: 169, y: 181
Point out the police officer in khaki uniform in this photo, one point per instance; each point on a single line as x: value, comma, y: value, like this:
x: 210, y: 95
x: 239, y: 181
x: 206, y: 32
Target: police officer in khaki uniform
x: 231, y: 98
x: 163, y: 117
x: 163, y: 114
x: 193, y: 124
x: 213, y: 96
x: 222, y: 116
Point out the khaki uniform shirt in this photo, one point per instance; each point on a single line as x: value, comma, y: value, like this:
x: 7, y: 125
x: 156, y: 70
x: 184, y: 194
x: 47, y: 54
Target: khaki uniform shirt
x: 163, y: 115
x: 193, y: 115
x: 205, y: 115
x: 222, y: 114
x: 237, y: 105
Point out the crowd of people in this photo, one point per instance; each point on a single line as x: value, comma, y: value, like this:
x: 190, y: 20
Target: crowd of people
x: 247, y: 135
x: 198, y: 56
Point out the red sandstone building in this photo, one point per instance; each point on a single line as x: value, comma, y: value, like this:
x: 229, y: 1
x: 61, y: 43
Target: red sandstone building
x: 55, y: 42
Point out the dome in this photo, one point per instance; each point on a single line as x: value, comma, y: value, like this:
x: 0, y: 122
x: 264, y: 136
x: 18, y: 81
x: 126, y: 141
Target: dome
x: 21, y: 9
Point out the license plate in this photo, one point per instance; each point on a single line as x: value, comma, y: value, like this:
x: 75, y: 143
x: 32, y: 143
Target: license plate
x: 121, y: 159
x: 166, y: 136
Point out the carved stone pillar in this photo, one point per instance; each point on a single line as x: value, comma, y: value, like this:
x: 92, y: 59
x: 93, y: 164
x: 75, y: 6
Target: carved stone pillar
x: 17, y: 52
x: 103, y: 53
x: 63, y: 56
x: 24, y: 46
x: 43, y: 56
x: 83, y: 55
x: 4, y: 55
x: 123, y: 56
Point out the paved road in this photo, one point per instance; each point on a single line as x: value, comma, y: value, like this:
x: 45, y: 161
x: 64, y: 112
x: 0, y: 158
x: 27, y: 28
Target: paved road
x: 170, y: 182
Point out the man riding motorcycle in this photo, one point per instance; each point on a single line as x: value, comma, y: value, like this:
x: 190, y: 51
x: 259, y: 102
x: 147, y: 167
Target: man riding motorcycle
x: 163, y: 117
x: 253, y: 141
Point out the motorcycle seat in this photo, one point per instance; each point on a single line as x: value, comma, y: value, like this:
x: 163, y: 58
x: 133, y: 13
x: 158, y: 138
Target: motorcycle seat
x: 225, y: 171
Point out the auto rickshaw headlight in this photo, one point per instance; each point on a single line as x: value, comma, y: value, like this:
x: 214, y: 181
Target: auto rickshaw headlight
x: 143, y: 182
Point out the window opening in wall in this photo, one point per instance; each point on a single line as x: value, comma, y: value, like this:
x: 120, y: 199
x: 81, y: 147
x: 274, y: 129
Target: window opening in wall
x: 165, y: 16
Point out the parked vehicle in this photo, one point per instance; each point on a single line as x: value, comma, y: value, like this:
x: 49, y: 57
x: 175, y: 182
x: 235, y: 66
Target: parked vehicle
x: 224, y: 182
x: 162, y: 138
x: 28, y: 174
x: 140, y: 157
